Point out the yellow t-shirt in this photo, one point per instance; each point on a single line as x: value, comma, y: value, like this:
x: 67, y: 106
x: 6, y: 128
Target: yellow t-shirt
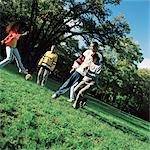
x: 49, y: 60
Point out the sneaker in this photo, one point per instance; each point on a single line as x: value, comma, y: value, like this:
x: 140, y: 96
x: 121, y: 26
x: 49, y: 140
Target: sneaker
x: 54, y: 95
x: 74, y: 105
x: 38, y: 82
x: 23, y: 71
x: 70, y: 100
x: 42, y: 85
x: 20, y: 71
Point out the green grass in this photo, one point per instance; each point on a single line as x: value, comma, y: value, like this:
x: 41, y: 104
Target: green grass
x: 119, y: 119
x: 30, y: 119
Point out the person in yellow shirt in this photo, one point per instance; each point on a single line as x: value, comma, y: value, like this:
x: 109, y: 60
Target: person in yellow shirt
x: 46, y: 65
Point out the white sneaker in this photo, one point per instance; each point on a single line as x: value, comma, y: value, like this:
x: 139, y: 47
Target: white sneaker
x: 23, y: 71
x: 54, y: 95
x: 74, y: 105
x: 70, y: 100
x: 38, y: 82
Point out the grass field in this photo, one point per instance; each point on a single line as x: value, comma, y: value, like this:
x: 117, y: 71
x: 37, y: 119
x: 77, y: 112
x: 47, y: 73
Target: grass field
x: 30, y: 119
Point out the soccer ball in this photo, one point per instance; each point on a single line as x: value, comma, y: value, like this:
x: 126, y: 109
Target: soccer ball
x: 28, y: 77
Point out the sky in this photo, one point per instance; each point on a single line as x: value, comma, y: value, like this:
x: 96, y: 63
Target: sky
x: 137, y: 14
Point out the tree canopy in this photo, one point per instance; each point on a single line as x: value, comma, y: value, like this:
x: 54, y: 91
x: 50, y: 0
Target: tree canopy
x: 63, y: 21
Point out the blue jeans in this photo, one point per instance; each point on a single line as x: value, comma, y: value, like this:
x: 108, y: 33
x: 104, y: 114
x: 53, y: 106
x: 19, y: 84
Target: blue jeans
x: 75, y: 77
x: 12, y: 53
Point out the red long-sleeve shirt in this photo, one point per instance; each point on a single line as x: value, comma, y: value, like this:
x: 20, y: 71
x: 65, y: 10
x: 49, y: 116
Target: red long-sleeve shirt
x: 11, y: 39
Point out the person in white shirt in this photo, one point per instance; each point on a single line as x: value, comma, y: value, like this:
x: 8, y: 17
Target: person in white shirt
x: 87, y: 82
x: 79, y: 61
x: 80, y: 71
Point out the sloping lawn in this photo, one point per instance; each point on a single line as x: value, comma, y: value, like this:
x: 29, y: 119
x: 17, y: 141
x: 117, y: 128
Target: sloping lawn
x: 30, y: 119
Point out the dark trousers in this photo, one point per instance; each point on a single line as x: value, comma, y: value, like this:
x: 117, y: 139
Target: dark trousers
x: 75, y: 77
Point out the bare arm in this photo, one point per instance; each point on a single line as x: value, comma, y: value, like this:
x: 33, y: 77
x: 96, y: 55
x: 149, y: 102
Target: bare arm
x: 2, y: 42
x: 6, y: 38
x: 25, y: 33
x: 12, y: 36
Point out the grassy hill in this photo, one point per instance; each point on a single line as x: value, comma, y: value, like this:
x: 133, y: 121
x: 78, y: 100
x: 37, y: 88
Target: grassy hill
x: 30, y: 119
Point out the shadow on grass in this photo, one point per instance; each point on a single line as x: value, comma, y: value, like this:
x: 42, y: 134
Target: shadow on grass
x: 107, y: 109
x: 140, y: 136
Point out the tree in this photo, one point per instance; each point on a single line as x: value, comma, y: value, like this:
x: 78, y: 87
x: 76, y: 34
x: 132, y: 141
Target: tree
x: 60, y: 21
x: 53, y: 21
x: 119, y: 72
x: 141, y: 94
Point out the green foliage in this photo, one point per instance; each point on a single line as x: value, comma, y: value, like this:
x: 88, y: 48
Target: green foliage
x: 51, y: 22
x: 55, y: 21
x: 116, y: 83
x: 141, y: 91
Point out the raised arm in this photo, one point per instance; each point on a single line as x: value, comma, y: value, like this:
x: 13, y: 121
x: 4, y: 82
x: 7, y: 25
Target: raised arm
x: 25, y: 33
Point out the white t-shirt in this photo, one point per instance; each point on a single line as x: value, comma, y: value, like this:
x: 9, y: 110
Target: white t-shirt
x: 93, y: 71
x: 84, y: 67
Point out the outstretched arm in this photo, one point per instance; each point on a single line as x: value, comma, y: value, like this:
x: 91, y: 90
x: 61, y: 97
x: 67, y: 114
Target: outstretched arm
x: 2, y: 42
x: 25, y: 33
x: 12, y: 36
x: 9, y: 36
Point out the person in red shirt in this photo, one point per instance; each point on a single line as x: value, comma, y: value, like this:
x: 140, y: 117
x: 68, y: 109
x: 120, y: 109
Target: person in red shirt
x: 11, y: 42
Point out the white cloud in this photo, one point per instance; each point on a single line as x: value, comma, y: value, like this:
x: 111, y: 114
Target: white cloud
x: 145, y: 63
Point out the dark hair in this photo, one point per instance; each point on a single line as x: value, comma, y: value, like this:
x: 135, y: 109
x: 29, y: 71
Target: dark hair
x: 15, y: 27
x: 95, y: 44
x: 95, y: 56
